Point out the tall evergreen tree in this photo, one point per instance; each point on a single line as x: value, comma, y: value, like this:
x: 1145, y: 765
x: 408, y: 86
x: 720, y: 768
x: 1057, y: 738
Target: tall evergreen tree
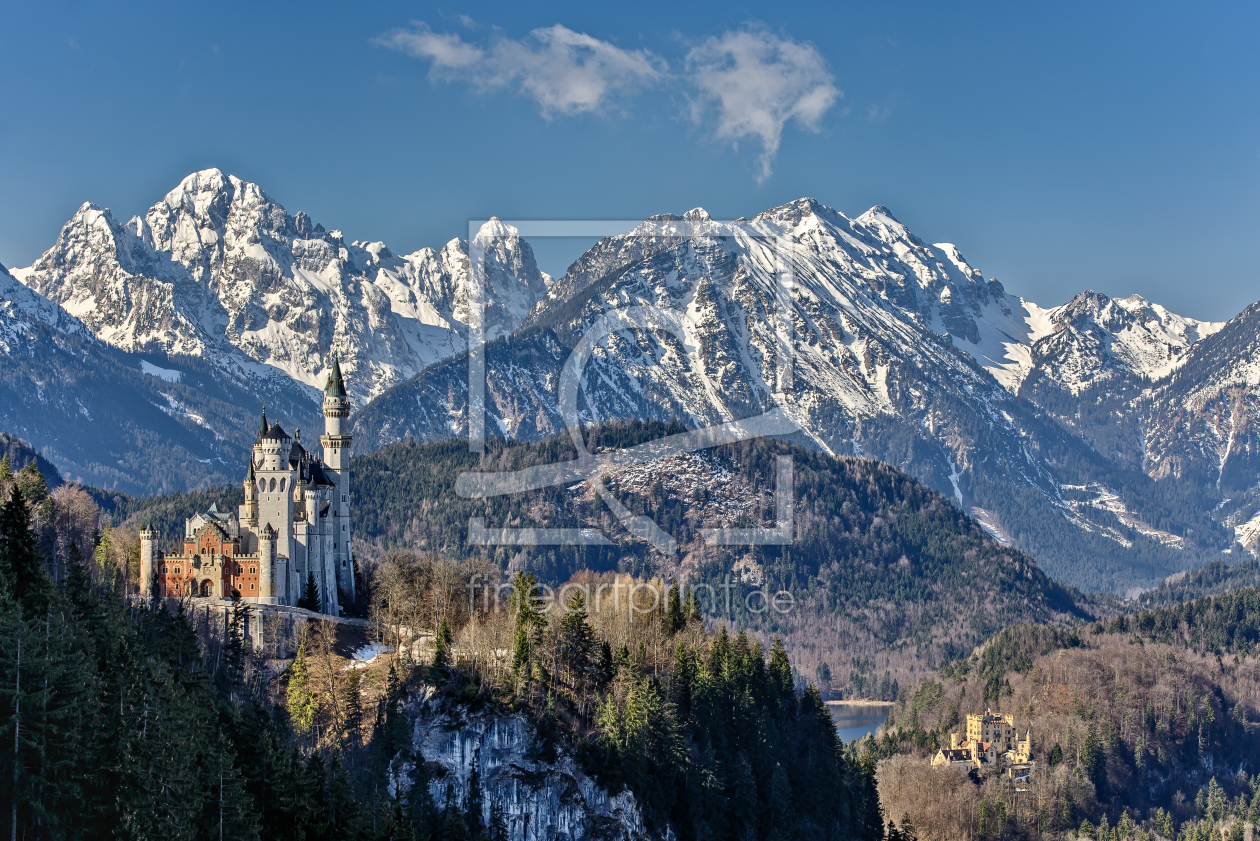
x: 302, y: 702
x: 310, y: 600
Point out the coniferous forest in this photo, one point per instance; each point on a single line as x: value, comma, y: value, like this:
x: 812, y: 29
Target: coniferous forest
x: 128, y: 721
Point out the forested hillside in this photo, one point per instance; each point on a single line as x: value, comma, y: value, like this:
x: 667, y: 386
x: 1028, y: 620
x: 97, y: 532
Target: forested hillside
x: 129, y: 722
x: 888, y: 579
x: 1208, y: 580
x: 1142, y: 725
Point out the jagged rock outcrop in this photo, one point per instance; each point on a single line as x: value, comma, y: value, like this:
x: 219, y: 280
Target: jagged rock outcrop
x: 219, y: 270
x: 541, y: 800
x: 902, y: 351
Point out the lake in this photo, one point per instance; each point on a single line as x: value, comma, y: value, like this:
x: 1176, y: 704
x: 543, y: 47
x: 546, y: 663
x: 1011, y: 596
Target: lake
x: 854, y: 719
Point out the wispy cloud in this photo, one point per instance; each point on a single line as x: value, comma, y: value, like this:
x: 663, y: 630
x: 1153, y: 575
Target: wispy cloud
x: 746, y: 84
x: 753, y: 82
x: 565, y: 72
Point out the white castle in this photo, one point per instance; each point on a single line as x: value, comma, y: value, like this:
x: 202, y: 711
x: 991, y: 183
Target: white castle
x: 294, y: 525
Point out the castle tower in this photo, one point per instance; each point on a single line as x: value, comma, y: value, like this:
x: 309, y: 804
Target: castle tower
x: 266, y: 562
x: 336, y: 441
x: 275, y: 475
x: 249, y: 511
x: 147, y: 536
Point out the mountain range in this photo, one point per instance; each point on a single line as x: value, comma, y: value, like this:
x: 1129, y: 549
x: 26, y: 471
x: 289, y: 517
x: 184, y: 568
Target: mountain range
x: 1113, y: 440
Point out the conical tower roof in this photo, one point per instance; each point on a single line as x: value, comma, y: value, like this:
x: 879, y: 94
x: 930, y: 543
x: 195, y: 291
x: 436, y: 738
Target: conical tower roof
x: 336, y: 385
x: 249, y: 474
x: 262, y: 430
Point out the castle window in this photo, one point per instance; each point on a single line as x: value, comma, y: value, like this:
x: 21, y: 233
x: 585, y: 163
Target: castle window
x: 251, y: 570
x: 177, y: 570
x: 281, y: 484
x: 251, y: 586
x: 273, y: 484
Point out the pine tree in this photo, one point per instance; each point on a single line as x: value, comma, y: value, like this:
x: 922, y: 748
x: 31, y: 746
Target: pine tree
x: 438, y: 672
x: 6, y: 469
x: 453, y: 827
x: 231, y: 672
x: 577, y: 645
x: 474, y: 815
x: 498, y: 829
x: 302, y: 703
x: 21, y: 563
x: 343, y: 810
x: 31, y: 482
x: 675, y: 620
x: 692, y: 611
x: 520, y: 660
x: 352, y: 704
x: 1093, y: 762
x: 310, y: 599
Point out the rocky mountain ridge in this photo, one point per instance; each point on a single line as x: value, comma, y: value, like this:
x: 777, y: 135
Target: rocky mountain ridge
x: 1129, y: 426
x: 900, y: 351
x: 218, y: 270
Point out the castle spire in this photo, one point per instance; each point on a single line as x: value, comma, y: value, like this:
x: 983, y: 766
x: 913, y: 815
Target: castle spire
x: 262, y: 430
x: 336, y: 385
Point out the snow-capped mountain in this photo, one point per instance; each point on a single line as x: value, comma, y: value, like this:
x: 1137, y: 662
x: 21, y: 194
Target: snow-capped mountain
x: 1203, y: 422
x: 901, y: 351
x: 111, y: 418
x: 220, y: 271
x: 23, y: 312
x: 1094, y: 338
x: 1111, y: 438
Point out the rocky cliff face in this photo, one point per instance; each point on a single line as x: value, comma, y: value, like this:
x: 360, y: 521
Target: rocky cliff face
x: 219, y: 270
x: 901, y: 351
x: 541, y: 800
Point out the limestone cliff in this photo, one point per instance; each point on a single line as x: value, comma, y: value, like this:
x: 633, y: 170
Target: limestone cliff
x: 541, y: 800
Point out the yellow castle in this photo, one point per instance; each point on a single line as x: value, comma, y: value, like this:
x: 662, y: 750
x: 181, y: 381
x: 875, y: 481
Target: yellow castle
x: 992, y: 741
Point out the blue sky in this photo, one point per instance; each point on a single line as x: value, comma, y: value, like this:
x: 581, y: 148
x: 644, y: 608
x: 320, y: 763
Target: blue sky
x: 1062, y: 146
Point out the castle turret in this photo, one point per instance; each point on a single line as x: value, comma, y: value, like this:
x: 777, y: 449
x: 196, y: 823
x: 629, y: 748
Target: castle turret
x: 336, y: 410
x: 249, y: 510
x: 266, y: 564
x: 147, y: 536
x: 338, y: 570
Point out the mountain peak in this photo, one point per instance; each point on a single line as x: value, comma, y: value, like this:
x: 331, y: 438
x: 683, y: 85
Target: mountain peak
x: 495, y: 228
x: 879, y: 213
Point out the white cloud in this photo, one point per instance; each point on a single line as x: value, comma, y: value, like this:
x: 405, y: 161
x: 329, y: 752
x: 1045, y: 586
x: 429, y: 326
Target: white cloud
x: 565, y: 72
x: 754, y: 82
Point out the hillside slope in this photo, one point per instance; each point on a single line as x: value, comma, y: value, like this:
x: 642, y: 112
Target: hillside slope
x: 889, y: 579
x: 1150, y: 715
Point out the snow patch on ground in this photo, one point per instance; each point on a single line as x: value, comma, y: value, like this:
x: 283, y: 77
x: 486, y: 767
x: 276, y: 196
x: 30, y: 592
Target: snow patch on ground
x: 364, y: 655
x: 170, y: 375
x: 1248, y: 534
x: 989, y: 523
